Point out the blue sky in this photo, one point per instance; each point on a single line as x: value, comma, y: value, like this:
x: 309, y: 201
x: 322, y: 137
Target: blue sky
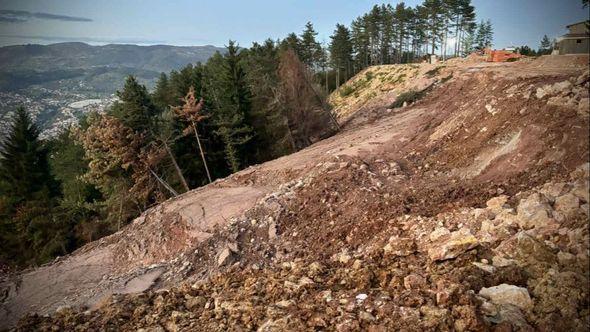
x: 516, y: 22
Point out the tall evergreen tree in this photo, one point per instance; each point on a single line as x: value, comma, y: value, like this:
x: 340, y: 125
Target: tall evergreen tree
x: 311, y: 50
x: 162, y: 93
x: 434, y: 11
x: 233, y: 109
x: 545, y: 45
x: 360, y: 43
x: 341, y: 53
x: 402, y: 16
x: 24, y: 167
x: 27, y: 192
x: 135, y: 108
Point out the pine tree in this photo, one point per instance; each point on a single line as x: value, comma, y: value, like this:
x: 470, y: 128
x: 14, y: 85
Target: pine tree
x: 480, y: 36
x: 434, y: 11
x: 291, y: 41
x: 468, y: 43
x: 162, y: 93
x: 307, y: 117
x: 311, y: 50
x: 360, y: 43
x: 24, y: 167
x: 465, y: 20
x: 545, y: 45
x: 27, y: 191
x: 341, y: 53
x: 232, y: 103
x: 488, y: 34
x: 402, y: 16
x: 135, y: 108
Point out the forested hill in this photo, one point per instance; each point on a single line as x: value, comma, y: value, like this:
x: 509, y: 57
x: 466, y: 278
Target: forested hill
x: 24, y: 65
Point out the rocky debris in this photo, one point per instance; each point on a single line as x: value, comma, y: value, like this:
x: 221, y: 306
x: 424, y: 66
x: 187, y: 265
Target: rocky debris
x: 402, y: 242
x: 452, y: 246
x: 508, y: 294
x: 414, y: 281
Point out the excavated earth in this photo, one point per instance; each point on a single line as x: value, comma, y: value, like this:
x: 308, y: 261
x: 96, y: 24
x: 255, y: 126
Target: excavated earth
x: 467, y: 211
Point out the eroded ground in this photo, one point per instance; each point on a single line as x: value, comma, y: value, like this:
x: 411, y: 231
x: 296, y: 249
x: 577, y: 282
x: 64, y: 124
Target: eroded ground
x: 467, y: 210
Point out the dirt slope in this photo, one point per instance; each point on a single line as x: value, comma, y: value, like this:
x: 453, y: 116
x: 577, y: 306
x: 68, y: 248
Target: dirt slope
x: 464, y: 211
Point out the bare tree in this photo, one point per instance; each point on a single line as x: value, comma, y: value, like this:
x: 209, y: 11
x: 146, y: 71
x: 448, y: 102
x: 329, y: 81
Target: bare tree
x: 191, y: 112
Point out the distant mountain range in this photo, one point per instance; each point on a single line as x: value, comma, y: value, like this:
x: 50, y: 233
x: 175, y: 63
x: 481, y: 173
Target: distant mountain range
x: 100, y: 67
x: 52, y: 80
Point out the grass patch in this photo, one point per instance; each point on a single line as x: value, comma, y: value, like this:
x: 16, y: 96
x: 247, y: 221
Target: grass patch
x: 408, y: 97
x: 395, y: 79
x: 346, y: 90
x: 369, y: 75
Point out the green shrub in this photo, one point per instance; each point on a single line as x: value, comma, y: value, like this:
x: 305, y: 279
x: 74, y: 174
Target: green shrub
x: 369, y: 75
x: 409, y: 97
x: 346, y: 90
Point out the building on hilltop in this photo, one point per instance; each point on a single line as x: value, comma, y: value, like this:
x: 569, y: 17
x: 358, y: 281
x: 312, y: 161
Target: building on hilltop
x: 577, y: 41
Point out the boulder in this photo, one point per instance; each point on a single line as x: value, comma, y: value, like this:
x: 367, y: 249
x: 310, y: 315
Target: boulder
x: 526, y: 251
x: 508, y: 294
x: 554, y: 190
x: 497, y: 204
x: 562, y: 87
x: 457, y: 243
x: 534, y: 211
x: 225, y: 257
x: 505, y: 315
x: 543, y: 91
x: 583, y: 78
x: 581, y: 172
x: 567, y: 204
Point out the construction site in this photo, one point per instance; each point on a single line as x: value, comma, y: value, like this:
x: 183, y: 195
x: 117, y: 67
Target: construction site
x: 455, y: 197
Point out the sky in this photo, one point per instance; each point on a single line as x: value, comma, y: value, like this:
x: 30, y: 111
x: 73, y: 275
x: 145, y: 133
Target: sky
x: 200, y: 22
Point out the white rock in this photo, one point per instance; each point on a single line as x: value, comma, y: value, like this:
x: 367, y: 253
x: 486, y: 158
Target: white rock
x: 508, y: 294
x: 361, y: 297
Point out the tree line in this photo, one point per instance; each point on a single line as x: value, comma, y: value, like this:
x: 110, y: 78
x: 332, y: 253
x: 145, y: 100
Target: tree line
x: 200, y: 123
x: 400, y: 34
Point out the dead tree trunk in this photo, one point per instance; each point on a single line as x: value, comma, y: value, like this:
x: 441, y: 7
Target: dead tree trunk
x: 178, y: 170
x: 166, y: 185
x: 201, y: 151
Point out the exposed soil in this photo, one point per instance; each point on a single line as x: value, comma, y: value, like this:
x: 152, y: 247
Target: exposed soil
x: 467, y: 210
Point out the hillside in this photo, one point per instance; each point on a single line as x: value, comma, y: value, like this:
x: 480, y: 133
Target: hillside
x: 25, y: 65
x: 462, y: 208
x: 47, y: 79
